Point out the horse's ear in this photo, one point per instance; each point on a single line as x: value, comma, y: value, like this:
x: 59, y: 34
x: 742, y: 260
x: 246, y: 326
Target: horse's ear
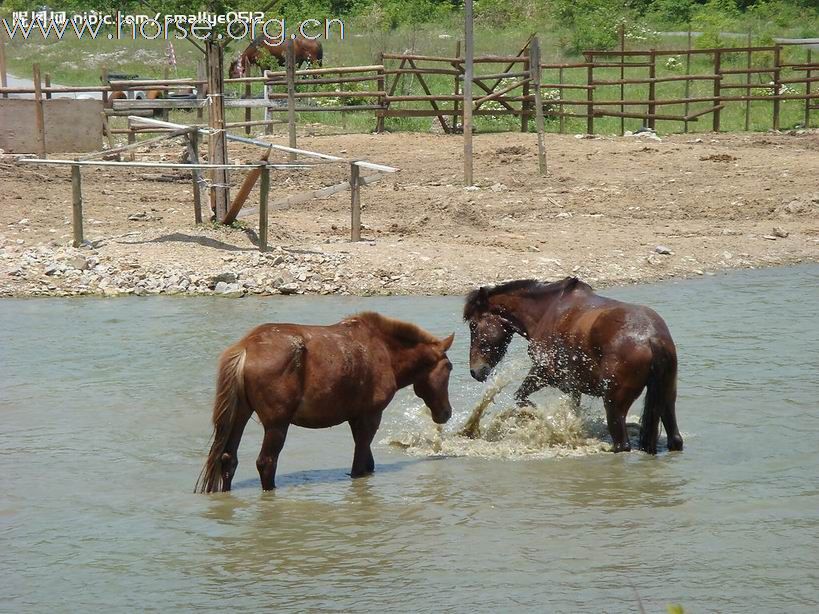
x: 483, y: 296
x: 445, y: 344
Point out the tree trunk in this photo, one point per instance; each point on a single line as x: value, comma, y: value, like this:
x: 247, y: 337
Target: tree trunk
x: 217, y: 143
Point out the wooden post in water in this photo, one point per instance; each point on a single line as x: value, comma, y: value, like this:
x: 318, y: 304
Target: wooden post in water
x: 39, y: 113
x: 468, y: 75
x: 717, y: 88
x: 748, y: 88
x: 622, y: 75
x: 264, y: 191
x: 290, y: 66
x: 776, y: 66
x: 534, y: 73
x: 355, y: 203
x: 76, y: 211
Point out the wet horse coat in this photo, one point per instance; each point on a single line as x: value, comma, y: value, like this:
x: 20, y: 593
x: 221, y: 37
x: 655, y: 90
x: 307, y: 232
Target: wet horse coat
x: 318, y: 377
x: 581, y: 343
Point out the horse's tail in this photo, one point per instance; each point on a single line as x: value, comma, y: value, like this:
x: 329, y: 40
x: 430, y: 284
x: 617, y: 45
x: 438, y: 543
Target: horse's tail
x: 661, y: 395
x: 319, y: 54
x: 230, y: 397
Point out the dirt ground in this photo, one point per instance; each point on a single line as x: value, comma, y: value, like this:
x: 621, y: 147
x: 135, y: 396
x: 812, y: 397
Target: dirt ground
x: 606, y: 210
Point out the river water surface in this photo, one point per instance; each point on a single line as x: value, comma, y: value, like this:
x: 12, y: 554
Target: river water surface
x: 105, y: 409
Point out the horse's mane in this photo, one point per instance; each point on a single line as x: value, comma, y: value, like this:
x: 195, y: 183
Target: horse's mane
x: 404, y: 331
x: 528, y: 286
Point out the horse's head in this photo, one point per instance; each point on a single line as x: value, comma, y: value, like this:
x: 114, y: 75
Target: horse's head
x: 490, y: 334
x: 432, y: 385
x: 237, y: 68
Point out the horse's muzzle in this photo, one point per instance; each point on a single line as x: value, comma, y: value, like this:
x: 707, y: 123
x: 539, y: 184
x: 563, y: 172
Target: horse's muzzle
x: 442, y: 417
x: 480, y: 374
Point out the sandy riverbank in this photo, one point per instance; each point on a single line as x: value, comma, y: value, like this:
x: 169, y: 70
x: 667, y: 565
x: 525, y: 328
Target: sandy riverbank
x: 606, y: 210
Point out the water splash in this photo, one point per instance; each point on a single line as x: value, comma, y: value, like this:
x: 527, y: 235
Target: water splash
x: 552, y: 429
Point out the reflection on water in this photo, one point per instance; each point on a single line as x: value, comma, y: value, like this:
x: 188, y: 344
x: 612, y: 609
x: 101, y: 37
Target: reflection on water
x: 105, y: 409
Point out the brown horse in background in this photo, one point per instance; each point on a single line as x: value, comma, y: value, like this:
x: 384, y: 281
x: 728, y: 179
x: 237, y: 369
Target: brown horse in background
x: 304, y: 50
x: 318, y: 377
x: 581, y: 343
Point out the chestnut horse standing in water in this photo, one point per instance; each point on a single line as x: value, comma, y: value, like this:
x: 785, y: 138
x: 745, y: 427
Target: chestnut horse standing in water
x: 317, y: 377
x: 581, y: 343
x: 304, y: 50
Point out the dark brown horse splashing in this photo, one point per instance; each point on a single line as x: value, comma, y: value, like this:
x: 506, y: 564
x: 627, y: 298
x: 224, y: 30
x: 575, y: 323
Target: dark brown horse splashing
x: 581, y: 343
x: 305, y: 51
x: 318, y: 377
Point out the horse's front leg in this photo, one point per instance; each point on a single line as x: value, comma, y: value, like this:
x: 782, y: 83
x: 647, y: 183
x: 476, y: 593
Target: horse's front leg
x: 534, y: 381
x: 364, y: 429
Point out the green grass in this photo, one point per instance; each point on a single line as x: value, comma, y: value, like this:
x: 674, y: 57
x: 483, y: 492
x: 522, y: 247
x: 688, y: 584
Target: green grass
x: 79, y: 62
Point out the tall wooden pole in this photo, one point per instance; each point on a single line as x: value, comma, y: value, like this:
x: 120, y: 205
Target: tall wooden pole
x: 468, y: 75
x: 217, y: 142
x: 534, y: 74
x: 355, y: 202
x: 290, y: 65
x: 622, y: 35
x: 807, y: 93
x: 457, y: 89
x: 748, y: 84
x: 76, y: 210
x: 3, y: 77
x: 687, y: 73
x: 264, y: 191
x: 39, y: 113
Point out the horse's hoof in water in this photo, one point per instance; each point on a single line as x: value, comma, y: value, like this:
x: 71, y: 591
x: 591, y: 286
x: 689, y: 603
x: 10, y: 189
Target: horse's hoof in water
x: 360, y: 474
x: 621, y: 447
x: 675, y: 444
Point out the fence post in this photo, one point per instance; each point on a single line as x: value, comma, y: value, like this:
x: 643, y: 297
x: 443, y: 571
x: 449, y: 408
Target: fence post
x: 193, y: 158
x: 652, y: 74
x: 355, y: 203
x: 807, y: 93
x: 39, y: 114
x: 382, y: 100
x: 264, y: 191
x: 457, y: 89
x: 748, y: 88
x: 560, y: 93
x: 590, y: 93
x: 104, y: 80
x: 622, y: 75
x: 524, y: 104
x: 468, y: 74
x: 48, y: 86
x: 534, y: 74
x: 248, y: 95
x: 3, y: 76
x: 131, y: 141
x: 201, y: 88
x: 717, y: 90
x: 76, y: 210
x: 290, y: 65
x: 687, y: 74
x: 777, y: 62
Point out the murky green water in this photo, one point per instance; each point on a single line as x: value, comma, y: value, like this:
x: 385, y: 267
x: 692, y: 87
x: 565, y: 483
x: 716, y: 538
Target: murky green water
x: 105, y: 407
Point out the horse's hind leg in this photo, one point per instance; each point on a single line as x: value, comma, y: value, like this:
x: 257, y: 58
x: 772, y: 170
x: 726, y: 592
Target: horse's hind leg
x: 672, y: 431
x: 617, y: 403
x: 364, y: 429
x: 268, y: 460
